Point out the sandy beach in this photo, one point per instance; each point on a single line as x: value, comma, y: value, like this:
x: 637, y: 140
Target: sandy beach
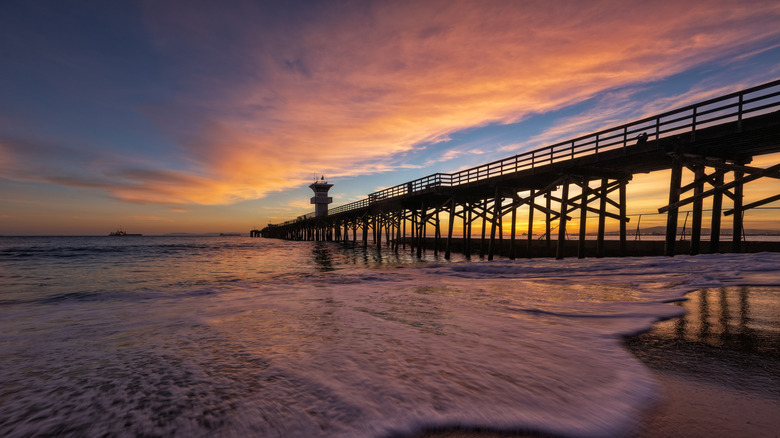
x: 718, y: 368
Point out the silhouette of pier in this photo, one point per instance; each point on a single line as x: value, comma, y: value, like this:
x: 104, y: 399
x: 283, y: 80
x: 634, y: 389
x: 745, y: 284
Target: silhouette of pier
x: 715, y: 140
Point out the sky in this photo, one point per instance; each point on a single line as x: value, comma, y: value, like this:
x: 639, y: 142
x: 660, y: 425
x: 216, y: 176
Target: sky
x: 202, y: 116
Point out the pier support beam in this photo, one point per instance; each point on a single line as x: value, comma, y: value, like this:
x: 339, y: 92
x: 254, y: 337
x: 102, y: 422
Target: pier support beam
x: 435, y: 222
x: 602, y: 218
x: 484, y: 227
x: 583, y: 217
x: 559, y: 253
x: 530, y: 232
x: 547, y: 222
x: 494, y: 223
x: 403, y: 232
x: 671, y: 216
x: 468, y: 213
x: 698, y: 165
x: 736, y: 237
x: 623, y: 216
x: 448, y: 247
x: 414, y: 231
x: 365, y: 232
x: 697, y: 209
x: 421, y: 231
x: 467, y: 219
x: 717, y: 205
x: 378, y: 232
x: 514, y: 225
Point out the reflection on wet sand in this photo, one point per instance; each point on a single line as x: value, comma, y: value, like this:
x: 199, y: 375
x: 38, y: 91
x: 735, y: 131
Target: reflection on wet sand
x: 718, y: 365
x: 729, y: 336
x: 744, y: 318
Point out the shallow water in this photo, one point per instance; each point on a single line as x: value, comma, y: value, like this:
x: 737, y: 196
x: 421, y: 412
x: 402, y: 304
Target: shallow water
x: 234, y: 336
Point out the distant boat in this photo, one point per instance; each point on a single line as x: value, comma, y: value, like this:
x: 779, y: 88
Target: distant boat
x: 229, y: 234
x: 121, y: 232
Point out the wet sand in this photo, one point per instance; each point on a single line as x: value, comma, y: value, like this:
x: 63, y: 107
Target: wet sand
x: 718, y: 368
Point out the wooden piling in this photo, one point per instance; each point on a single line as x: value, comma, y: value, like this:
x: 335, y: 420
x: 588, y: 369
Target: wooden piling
x: 717, y: 206
x: 448, y: 248
x: 675, y: 181
x: 547, y: 231
x: 530, y: 233
x: 602, y: 218
x: 484, y: 224
x: 365, y: 232
x: 467, y: 229
x: 421, y: 231
x: 377, y: 239
x: 697, y: 209
x: 559, y: 252
x: 403, y: 219
x: 514, y: 225
x: 464, y: 221
x: 736, y: 238
x: 494, y: 223
x: 413, y: 231
x: 623, y: 217
x: 436, y: 234
x: 583, y: 218
x: 388, y: 227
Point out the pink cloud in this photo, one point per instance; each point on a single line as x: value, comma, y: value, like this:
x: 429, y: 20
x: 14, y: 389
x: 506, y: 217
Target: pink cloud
x: 370, y: 86
x: 349, y: 88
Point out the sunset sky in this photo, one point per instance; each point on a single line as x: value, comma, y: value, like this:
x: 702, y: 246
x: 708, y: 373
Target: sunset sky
x: 206, y: 116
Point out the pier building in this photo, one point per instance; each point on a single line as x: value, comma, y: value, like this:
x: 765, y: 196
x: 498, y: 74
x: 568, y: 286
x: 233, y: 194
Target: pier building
x: 321, y: 198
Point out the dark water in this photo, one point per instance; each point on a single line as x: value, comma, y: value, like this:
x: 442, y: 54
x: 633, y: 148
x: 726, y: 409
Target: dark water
x: 232, y: 336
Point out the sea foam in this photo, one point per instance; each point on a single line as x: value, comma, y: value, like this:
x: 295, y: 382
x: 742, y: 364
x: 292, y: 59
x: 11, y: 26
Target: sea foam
x: 353, y: 351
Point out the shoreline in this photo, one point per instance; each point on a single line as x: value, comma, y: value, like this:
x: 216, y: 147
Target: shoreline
x: 718, y: 372
x: 611, y: 248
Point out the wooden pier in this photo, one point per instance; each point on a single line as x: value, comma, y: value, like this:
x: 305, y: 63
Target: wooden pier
x: 715, y: 140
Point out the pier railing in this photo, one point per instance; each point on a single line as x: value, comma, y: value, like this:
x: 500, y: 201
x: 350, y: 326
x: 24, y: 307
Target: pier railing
x: 733, y: 107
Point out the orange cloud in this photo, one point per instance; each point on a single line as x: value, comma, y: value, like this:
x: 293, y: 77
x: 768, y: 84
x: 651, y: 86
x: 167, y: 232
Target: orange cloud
x: 352, y: 88
x: 367, y: 87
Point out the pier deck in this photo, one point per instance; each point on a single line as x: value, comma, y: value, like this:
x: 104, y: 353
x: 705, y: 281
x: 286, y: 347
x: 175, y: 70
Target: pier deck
x: 715, y: 139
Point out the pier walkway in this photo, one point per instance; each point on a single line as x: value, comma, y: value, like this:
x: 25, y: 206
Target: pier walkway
x: 715, y: 140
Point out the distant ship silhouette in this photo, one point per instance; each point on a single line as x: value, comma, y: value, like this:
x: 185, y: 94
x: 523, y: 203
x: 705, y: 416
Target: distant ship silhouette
x: 121, y: 232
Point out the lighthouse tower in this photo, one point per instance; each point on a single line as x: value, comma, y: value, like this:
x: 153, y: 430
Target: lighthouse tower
x: 321, y: 198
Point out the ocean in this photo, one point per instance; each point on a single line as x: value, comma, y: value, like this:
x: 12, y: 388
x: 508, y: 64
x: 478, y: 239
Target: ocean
x: 234, y: 336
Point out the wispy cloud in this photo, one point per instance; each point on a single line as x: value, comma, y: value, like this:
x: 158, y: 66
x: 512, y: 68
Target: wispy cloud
x: 142, y: 218
x: 267, y: 98
x: 616, y: 108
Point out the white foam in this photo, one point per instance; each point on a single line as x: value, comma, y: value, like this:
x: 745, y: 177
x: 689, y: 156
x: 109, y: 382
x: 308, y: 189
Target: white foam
x: 506, y: 345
